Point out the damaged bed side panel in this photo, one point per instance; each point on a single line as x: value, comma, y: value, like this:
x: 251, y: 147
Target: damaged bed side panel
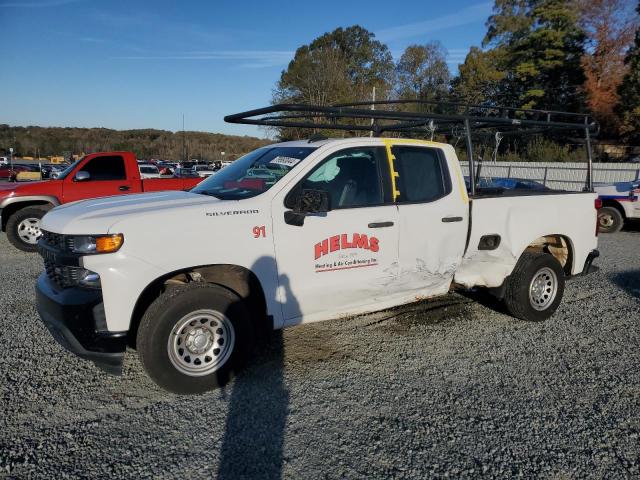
x: 562, y: 224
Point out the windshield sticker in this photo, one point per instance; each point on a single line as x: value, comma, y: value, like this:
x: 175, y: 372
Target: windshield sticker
x: 285, y: 161
x: 351, y: 252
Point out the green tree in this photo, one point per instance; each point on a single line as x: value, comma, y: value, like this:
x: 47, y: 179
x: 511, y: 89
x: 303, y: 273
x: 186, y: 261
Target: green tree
x: 422, y: 73
x: 629, y: 92
x: 316, y: 76
x: 540, y: 44
x: 478, y: 78
x: 340, y: 66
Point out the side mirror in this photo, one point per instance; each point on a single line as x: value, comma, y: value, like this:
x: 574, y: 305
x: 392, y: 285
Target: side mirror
x: 82, y: 176
x: 312, y: 201
x: 306, y: 203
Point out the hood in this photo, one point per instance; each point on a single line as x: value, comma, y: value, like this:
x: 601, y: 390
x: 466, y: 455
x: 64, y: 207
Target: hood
x: 99, y: 215
x: 44, y: 187
x: 8, y: 187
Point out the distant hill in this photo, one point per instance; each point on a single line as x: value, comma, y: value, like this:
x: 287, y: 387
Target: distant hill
x: 147, y: 143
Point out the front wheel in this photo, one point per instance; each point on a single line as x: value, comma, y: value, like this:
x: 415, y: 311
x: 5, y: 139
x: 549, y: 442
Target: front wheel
x: 23, y: 227
x: 535, y: 287
x: 194, y: 338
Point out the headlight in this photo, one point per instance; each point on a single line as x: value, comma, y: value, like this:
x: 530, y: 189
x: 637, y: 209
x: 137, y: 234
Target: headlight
x: 90, y: 244
x: 89, y: 279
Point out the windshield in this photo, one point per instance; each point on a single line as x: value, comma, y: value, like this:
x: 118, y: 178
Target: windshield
x: 69, y: 169
x: 254, y: 173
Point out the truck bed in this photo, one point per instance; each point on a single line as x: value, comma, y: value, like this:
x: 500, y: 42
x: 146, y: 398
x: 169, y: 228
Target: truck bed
x: 519, y: 219
x: 161, y: 184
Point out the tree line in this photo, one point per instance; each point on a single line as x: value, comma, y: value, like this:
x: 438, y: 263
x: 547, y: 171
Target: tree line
x: 577, y: 56
x: 146, y: 144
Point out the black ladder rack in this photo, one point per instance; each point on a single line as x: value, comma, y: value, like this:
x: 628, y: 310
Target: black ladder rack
x: 398, y: 116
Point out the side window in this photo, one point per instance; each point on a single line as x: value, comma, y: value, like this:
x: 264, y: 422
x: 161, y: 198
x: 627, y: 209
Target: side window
x: 351, y: 177
x: 106, y: 168
x: 422, y: 175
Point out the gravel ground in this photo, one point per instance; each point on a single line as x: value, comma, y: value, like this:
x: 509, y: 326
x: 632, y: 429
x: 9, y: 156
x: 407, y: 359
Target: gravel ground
x: 447, y: 388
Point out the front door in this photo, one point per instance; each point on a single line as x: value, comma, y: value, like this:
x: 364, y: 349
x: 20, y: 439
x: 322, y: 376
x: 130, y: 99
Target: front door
x: 433, y: 209
x: 107, y: 176
x: 341, y: 261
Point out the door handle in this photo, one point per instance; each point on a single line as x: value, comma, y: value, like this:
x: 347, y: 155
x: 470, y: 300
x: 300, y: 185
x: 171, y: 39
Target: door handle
x: 380, y: 224
x: 123, y: 188
x: 451, y: 219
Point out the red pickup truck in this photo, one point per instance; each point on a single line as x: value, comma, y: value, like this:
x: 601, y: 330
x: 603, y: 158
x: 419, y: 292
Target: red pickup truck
x: 22, y: 205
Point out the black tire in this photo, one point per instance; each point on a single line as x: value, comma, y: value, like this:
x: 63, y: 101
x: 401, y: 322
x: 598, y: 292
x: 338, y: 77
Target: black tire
x: 610, y: 220
x: 517, y: 297
x: 165, y: 313
x: 14, y: 226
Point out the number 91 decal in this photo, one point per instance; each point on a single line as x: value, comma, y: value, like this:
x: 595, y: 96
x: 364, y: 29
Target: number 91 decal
x: 259, y: 231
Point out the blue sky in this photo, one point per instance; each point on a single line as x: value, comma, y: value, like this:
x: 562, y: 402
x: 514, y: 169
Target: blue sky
x: 142, y: 64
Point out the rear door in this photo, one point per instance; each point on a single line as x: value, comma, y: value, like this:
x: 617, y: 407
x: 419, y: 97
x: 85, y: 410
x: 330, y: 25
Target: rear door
x: 433, y: 214
x: 107, y: 176
x: 343, y: 260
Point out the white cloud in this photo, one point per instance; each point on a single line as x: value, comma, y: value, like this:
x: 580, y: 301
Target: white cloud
x: 471, y: 14
x: 253, y: 58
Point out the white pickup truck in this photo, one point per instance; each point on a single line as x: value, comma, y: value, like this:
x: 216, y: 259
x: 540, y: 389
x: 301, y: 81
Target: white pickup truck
x: 620, y: 201
x: 303, y: 231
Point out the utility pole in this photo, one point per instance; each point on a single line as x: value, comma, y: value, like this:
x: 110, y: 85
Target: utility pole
x: 183, y: 141
x: 373, y: 107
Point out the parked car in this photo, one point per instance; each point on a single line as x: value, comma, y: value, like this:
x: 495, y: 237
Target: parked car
x: 148, y: 171
x: 499, y: 184
x: 620, y: 202
x: 182, y: 172
x: 56, y: 170
x: 337, y: 228
x: 96, y: 175
x: 4, y: 160
x: 203, y: 170
x: 7, y: 173
x: 50, y: 170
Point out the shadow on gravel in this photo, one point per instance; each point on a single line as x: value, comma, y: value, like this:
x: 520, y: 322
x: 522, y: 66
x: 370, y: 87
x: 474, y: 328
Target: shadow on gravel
x: 485, y: 299
x: 252, y: 446
x: 631, y: 226
x: 629, y: 281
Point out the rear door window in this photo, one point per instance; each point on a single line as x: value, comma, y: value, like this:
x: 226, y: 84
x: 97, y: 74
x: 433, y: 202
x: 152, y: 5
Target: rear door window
x: 422, y: 174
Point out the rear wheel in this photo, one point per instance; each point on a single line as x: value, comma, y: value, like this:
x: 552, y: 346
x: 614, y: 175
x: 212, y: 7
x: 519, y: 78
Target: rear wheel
x: 535, y: 287
x: 610, y: 220
x: 23, y: 227
x: 194, y: 338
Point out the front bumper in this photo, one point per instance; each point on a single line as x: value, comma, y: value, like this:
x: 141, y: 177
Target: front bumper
x: 75, y: 318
